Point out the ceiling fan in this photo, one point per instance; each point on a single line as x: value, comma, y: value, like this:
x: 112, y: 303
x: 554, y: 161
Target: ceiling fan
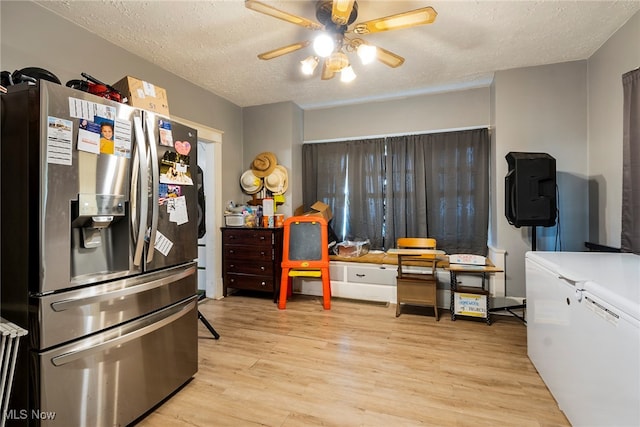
x: 334, y: 18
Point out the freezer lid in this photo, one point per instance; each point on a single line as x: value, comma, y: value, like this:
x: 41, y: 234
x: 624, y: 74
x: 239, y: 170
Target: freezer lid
x: 615, y: 300
x: 613, y: 277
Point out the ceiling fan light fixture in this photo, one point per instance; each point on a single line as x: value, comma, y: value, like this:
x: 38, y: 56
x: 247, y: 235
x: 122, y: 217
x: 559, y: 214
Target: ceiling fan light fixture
x: 323, y: 45
x: 332, y: 44
x: 341, y: 11
x: 347, y: 75
x: 337, y: 61
x: 367, y: 53
x: 309, y: 65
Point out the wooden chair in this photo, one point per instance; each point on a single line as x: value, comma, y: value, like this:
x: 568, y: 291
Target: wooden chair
x: 417, y: 288
x: 305, y: 254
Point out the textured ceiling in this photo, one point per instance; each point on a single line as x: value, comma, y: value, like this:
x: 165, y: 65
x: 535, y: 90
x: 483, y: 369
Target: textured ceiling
x: 214, y: 43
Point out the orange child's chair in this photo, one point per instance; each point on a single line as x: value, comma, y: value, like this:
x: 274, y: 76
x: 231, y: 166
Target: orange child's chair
x: 305, y: 254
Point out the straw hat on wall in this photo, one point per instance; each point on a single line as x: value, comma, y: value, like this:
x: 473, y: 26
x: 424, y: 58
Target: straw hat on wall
x: 264, y: 164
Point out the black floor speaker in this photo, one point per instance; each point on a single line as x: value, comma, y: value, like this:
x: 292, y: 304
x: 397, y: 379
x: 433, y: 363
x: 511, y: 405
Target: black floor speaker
x: 530, y: 189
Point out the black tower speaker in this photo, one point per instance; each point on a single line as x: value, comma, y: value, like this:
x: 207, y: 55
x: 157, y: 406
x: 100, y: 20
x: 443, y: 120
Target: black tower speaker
x: 530, y: 189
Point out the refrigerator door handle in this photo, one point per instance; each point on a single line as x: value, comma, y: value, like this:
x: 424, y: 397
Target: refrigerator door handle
x: 135, y: 218
x: 136, y: 287
x: 143, y: 199
x: 155, y: 179
x: 72, y: 356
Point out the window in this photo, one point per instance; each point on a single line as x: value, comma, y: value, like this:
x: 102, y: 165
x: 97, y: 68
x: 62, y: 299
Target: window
x: 432, y: 185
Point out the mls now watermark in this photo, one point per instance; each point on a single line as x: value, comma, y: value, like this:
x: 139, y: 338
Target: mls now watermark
x: 24, y: 414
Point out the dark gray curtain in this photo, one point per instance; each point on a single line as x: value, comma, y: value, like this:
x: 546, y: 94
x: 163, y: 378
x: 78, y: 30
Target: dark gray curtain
x: 438, y: 186
x: 408, y: 185
x: 630, y: 238
x: 364, y: 217
x: 324, y: 170
x: 348, y: 176
x: 434, y: 185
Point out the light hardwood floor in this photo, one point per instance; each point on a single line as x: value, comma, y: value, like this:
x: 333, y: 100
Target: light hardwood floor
x: 356, y: 365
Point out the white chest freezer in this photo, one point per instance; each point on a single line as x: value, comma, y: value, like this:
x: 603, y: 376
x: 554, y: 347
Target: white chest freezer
x: 583, y: 333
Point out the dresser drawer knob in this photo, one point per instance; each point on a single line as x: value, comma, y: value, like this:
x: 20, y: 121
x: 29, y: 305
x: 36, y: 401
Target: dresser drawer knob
x: 263, y: 283
x: 231, y: 251
x: 360, y: 275
x: 262, y: 268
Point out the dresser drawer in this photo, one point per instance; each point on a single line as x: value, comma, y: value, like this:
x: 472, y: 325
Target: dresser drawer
x: 247, y: 254
x: 250, y: 282
x: 243, y: 267
x: 247, y: 237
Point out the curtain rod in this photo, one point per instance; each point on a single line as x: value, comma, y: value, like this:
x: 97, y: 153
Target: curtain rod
x: 351, y: 138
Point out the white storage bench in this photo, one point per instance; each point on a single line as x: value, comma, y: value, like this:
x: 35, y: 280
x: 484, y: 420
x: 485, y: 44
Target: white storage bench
x: 371, y: 277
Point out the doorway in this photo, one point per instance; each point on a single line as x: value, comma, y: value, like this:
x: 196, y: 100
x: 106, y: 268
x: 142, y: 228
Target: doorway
x: 209, y: 244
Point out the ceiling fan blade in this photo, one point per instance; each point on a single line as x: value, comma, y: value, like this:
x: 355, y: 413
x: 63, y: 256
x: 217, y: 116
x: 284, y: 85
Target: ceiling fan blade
x: 341, y: 11
x: 285, y: 16
x: 283, y: 50
x: 327, y: 74
x: 389, y: 58
x: 425, y: 15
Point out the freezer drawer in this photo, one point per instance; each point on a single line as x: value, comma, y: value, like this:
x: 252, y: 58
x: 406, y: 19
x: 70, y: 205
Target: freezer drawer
x: 70, y: 315
x: 114, y: 377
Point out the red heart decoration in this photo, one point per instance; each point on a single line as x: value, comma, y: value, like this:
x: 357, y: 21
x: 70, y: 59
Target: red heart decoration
x: 182, y: 147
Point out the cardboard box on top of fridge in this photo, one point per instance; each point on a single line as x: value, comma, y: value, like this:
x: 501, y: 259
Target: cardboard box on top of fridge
x: 143, y: 95
x: 317, y: 209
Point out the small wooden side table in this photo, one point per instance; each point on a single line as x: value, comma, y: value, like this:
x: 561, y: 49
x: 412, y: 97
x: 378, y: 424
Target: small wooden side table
x: 473, y: 301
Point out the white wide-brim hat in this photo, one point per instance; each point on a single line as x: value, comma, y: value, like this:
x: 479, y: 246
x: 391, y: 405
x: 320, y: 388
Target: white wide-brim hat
x: 277, y: 181
x: 250, y: 183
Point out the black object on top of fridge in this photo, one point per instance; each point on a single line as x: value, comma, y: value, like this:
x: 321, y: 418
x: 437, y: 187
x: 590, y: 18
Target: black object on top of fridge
x: 99, y: 241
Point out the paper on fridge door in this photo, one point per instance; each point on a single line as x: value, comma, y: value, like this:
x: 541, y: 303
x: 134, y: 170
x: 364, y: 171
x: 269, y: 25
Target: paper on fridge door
x: 59, y: 144
x: 177, y: 209
x: 163, y: 244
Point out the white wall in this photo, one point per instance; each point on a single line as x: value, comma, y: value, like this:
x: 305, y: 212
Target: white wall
x: 276, y: 128
x: 425, y: 113
x: 621, y: 53
x: 542, y: 109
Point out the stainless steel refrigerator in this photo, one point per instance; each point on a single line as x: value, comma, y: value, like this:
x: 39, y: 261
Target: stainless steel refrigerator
x: 99, y: 238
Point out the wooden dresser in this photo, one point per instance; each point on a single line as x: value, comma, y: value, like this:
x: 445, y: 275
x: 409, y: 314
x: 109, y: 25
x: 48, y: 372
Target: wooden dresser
x: 251, y: 259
